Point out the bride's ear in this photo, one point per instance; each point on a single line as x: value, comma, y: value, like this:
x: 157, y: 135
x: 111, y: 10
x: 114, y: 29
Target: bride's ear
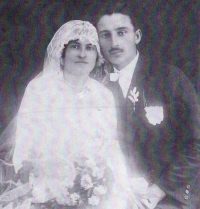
x: 62, y: 63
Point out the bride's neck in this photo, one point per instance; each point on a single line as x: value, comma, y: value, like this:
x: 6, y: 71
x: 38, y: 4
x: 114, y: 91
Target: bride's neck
x: 75, y: 82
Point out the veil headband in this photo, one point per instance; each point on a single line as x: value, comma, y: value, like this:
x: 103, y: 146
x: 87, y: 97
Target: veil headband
x: 70, y: 31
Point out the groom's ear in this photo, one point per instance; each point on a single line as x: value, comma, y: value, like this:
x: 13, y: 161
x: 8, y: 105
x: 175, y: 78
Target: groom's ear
x: 138, y: 36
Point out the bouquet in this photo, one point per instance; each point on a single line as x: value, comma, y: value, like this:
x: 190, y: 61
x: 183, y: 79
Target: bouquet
x: 81, y: 182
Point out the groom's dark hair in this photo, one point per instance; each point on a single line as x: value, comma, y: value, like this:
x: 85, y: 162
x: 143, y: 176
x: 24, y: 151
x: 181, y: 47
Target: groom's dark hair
x: 126, y: 8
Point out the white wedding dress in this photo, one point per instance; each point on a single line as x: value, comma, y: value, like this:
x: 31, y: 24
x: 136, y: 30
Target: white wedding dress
x: 52, y: 124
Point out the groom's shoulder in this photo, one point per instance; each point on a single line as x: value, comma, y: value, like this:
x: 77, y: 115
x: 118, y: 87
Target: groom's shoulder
x: 160, y: 69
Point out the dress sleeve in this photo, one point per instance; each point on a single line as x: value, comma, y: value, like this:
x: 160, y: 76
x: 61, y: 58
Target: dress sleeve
x: 27, y: 126
x: 115, y: 157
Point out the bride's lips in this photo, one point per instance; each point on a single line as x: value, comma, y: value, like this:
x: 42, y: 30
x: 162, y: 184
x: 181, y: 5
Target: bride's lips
x: 81, y: 62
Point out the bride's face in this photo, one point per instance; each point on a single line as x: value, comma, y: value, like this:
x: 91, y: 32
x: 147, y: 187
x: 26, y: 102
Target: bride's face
x: 80, y: 57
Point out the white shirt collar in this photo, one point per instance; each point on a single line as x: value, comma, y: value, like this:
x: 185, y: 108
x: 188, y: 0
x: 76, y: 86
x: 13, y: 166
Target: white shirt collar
x: 126, y: 74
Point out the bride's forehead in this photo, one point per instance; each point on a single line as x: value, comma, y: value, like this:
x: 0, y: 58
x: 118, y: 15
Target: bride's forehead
x: 82, y: 41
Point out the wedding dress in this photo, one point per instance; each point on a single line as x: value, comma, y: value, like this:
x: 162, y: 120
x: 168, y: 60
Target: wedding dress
x: 63, y: 138
x: 54, y: 126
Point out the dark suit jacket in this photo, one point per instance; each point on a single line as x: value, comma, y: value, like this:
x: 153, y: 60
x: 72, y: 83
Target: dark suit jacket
x: 167, y: 154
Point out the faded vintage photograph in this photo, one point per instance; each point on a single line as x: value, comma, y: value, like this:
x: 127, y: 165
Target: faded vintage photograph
x: 99, y: 104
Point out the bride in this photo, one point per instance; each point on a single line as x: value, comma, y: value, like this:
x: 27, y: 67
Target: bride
x: 66, y: 151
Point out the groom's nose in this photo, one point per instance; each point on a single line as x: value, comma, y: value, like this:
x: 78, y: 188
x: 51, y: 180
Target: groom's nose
x: 114, y: 40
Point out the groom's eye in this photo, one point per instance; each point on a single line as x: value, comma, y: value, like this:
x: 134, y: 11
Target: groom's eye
x: 105, y: 35
x: 122, y: 32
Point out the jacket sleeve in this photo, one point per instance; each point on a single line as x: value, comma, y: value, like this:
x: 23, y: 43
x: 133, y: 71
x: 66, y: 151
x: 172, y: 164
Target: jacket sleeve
x: 179, y: 180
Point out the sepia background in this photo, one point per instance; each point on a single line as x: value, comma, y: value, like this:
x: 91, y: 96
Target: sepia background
x: 170, y: 32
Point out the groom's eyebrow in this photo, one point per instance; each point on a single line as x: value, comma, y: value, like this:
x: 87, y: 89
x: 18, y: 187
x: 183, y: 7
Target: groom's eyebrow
x: 116, y: 29
x: 122, y: 28
x: 104, y: 31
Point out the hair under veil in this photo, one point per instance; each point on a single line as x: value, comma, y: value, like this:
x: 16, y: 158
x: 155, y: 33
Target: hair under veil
x: 70, y: 31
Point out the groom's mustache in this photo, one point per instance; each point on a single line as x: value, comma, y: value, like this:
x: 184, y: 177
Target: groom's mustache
x: 114, y: 50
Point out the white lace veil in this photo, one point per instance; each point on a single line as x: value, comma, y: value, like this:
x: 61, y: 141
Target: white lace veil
x: 72, y: 30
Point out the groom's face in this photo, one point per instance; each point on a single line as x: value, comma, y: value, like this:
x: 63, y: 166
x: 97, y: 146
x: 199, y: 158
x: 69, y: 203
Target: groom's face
x: 118, y: 39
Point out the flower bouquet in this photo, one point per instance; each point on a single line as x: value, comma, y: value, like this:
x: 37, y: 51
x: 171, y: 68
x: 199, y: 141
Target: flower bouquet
x: 81, y: 182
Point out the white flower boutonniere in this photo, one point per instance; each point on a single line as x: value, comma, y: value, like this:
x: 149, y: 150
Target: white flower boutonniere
x: 154, y: 114
x: 134, y: 96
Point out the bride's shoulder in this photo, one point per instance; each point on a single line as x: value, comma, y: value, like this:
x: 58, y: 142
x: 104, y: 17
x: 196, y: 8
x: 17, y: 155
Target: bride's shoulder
x: 102, y: 94
x: 97, y: 86
x: 41, y: 83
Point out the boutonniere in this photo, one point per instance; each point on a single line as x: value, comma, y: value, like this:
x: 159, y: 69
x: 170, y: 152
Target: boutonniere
x: 134, y: 97
x: 154, y: 114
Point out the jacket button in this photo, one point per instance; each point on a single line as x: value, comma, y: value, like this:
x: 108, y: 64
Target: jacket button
x: 187, y: 191
x: 186, y: 197
x: 188, y: 186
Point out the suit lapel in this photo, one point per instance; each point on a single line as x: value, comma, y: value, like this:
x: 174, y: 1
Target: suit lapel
x: 117, y: 92
x: 141, y: 73
x: 134, y: 115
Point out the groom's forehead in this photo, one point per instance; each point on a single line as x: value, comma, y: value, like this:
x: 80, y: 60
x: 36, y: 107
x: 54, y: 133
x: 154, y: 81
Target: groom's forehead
x: 113, y: 22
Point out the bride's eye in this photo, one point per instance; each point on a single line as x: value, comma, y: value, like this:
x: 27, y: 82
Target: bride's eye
x: 74, y: 46
x: 90, y: 47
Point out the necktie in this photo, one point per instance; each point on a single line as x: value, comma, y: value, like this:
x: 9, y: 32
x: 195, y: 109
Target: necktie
x: 121, y: 118
x: 119, y: 102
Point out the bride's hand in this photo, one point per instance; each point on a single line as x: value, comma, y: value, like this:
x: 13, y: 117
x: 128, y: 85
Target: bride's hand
x: 136, y: 202
x: 155, y: 194
x: 138, y: 192
x: 147, y: 198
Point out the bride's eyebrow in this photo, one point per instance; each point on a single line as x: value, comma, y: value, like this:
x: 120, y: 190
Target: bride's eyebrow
x: 74, y: 42
x: 90, y: 44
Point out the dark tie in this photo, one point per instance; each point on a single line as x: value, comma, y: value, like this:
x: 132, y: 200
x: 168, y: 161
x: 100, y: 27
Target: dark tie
x: 121, y: 117
x: 118, y: 94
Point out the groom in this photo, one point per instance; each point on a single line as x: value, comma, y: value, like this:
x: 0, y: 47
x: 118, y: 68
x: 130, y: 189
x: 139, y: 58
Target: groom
x: 157, y: 112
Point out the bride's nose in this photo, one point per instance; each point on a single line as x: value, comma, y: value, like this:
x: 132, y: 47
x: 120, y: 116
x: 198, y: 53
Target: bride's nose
x: 82, y: 53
